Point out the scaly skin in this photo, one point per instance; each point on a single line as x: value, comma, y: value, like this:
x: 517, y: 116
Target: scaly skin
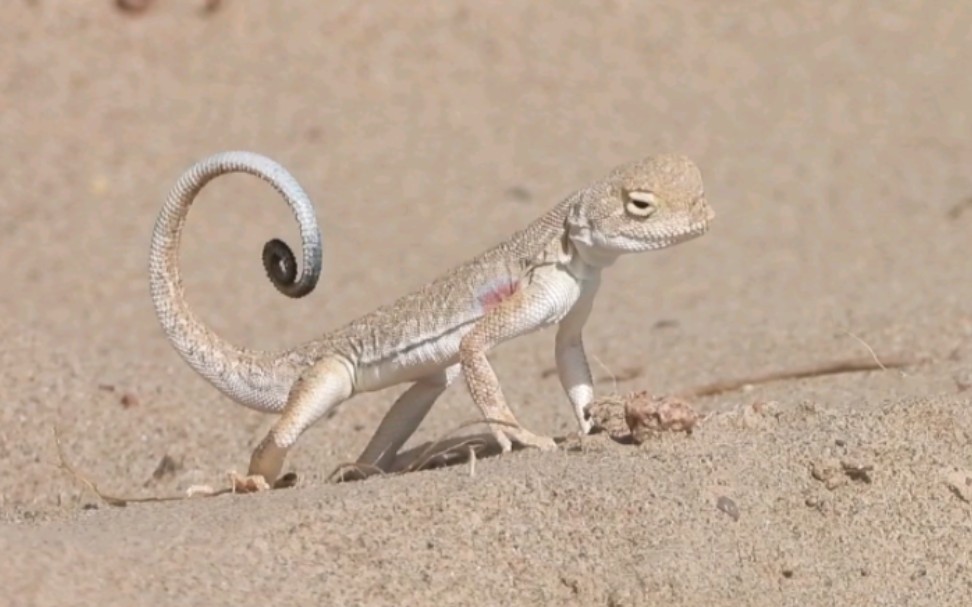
x: 544, y: 275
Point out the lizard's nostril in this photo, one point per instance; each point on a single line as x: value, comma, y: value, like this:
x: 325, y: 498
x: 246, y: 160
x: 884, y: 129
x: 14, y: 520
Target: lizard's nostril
x: 702, y: 211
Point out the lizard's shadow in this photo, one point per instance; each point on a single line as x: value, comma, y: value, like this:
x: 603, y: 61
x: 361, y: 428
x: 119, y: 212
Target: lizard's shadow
x: 446, y: 452
x: 453, y: 452
x: 430, y: 455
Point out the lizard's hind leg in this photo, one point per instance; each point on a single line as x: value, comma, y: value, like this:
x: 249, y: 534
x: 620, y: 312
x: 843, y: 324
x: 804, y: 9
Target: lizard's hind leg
x: 404, y: 417
x: 319, y: 389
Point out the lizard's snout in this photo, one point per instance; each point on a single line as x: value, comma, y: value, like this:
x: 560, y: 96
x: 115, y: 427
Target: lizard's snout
x: 702, y: 213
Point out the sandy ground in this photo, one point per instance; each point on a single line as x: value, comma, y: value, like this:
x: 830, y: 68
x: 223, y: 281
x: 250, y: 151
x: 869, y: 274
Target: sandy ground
x: 835, y: 140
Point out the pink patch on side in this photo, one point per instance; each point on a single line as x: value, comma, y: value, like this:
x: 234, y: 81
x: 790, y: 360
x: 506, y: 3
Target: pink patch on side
x: 496, y: 293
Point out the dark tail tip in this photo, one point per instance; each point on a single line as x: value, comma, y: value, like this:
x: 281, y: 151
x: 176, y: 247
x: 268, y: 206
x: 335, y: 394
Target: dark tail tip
x: 281, y: 267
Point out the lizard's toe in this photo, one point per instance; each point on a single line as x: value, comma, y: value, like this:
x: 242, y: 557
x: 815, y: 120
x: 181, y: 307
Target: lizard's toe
x: 535, y: 441
x: 505, y: 444
x: 252, y: 483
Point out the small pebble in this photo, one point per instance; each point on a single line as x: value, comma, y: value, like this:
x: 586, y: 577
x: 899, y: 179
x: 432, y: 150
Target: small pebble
x: 960, y: 482
x: 133, y: 6
x: 728, y: 506
x: 167, y: 467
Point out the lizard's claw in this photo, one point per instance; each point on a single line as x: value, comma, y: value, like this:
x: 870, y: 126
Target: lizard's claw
x: 585, y: 426
x: 535, y: 441
x: 248, y: 484
x: 523, y: 437
x: 504, y: 441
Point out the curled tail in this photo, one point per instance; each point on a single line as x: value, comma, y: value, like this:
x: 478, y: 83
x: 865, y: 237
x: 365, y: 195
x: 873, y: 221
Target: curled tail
x: 254, y: 379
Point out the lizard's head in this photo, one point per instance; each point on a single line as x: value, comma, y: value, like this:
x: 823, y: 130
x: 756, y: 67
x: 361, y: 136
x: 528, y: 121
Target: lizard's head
x: 642, y: 206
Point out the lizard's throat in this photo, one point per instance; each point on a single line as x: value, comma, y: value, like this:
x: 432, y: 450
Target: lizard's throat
x: 593, y: 255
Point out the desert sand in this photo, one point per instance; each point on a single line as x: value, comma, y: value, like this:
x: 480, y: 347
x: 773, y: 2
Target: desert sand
x: 835, y: 139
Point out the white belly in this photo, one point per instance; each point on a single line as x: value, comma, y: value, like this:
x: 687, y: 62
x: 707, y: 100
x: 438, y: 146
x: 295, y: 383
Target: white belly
x: 412, y: 364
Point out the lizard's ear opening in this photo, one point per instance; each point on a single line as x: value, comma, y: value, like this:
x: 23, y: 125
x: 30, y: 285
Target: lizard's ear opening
x: 576, y: 225
x: 565, y: 240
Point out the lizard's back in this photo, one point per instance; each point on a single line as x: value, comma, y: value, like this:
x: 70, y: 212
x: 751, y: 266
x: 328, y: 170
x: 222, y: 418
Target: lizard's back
x: 421, y: 330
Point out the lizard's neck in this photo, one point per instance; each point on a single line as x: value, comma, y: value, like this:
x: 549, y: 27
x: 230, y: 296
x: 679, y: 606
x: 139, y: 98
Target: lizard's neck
x: 594, y: 257
x: 585, y: 258
x: 548, y: 239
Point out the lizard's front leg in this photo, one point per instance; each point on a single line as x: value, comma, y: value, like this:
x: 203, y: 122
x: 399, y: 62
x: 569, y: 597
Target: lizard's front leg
x: 572, y: 367
x: 524, y: 311
x: 575, y: 377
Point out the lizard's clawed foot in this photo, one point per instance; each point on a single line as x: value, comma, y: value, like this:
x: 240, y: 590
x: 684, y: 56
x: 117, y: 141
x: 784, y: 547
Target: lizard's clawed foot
x: 531, y: 440
x: 504, y: 441
x: 252, y: 483
x: 507, y: 433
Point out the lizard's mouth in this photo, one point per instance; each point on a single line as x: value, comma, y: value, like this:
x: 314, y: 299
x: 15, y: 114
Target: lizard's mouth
x: 622, y: 243
x: 699, y: 228
x: 692, y: 231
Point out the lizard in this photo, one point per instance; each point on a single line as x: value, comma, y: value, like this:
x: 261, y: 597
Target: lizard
x: 545, y: 274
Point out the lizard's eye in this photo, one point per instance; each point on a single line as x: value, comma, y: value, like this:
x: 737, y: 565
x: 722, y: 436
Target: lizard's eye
x: 641, y: 204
